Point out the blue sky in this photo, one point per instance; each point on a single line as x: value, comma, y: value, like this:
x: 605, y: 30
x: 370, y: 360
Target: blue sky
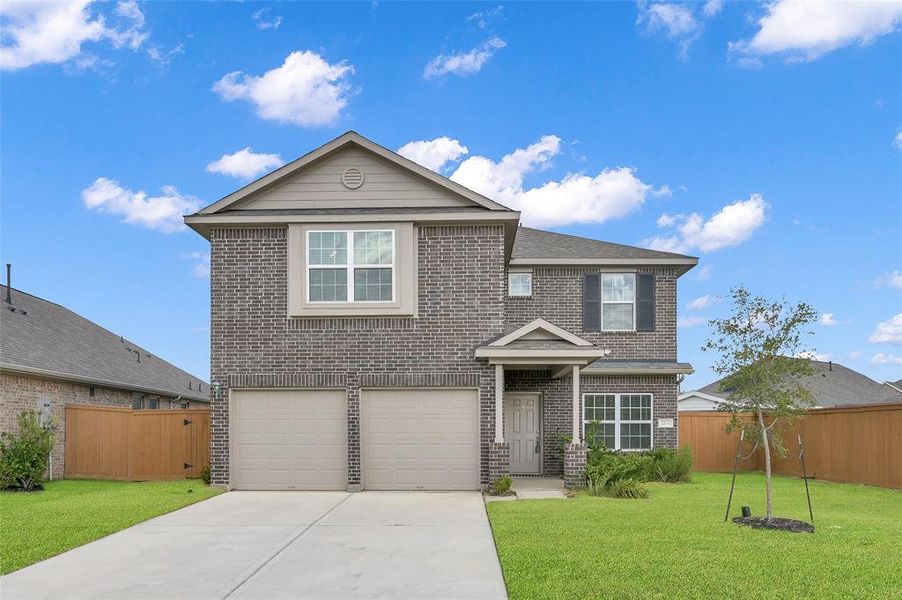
x: 763, y: 138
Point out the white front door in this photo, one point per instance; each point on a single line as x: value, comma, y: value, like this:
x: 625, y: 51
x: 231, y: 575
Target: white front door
x: 523, y: 424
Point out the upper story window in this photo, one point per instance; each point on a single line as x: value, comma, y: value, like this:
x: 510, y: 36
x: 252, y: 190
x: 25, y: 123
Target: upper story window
x: 519, y: 284
x: 618, y: 301
x: 353, y: 266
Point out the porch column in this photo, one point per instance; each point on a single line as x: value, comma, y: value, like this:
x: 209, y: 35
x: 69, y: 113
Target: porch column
x: 499, y: 404
x: 577, y: 412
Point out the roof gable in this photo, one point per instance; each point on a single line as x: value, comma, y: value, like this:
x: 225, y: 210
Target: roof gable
x: 540, y: 330
x: 315, y: 181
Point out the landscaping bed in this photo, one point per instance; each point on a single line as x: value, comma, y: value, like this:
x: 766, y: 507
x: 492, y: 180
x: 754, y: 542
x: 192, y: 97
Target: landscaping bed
x: 70, y: 513
x: 675, y: 543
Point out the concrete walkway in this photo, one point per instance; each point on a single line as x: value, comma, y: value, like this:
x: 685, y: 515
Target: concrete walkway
x: 285, y: 545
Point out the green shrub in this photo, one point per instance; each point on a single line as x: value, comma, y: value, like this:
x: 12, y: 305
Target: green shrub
x: 24, y: 455
x: 669, y: 465
x: 501, y: 486
x: 205, y: 475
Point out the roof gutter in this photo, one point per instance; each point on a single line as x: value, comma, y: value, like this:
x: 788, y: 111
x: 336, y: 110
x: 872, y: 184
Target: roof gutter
x: 23, y: 370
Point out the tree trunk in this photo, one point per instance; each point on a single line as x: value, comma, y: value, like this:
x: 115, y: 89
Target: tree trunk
x: 767, y: 486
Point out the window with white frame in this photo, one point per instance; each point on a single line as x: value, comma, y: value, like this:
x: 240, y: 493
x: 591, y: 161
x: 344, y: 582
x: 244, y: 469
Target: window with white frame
x: 624, y: 420
x: 618, y: 302
x: 519, y: 284
x: 350, y: 266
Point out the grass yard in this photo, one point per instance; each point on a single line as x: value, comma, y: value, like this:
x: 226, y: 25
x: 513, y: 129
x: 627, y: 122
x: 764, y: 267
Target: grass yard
x: 69, y: 513
x: 676, y: 545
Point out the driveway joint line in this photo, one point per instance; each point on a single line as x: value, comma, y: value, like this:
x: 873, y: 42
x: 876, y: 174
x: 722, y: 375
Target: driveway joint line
x: 283, y: 548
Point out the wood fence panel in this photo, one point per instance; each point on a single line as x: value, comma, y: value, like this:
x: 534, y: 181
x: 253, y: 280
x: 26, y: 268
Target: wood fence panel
x: 120, y: 443
x: 850, y: 445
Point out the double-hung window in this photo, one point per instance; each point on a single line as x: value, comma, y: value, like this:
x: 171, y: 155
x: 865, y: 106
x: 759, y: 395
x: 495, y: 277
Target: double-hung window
x: 618, y: 301
x: 354, y: 266
x: 519, y: 284
x: 624, y: 420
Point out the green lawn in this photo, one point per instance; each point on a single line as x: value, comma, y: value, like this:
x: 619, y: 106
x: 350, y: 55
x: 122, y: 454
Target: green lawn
x: 70, y: 513
x: 676, y: 545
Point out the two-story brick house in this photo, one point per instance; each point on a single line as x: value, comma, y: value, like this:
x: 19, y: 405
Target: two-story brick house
x: 378, y: 326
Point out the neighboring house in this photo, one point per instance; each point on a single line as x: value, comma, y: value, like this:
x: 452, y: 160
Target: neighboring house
x: 831, y: 385
x: 377, y: 326
x: 50, y: 354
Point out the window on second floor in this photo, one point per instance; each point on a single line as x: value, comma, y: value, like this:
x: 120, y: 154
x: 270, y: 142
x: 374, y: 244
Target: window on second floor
x: 354, y: 266
x: 519, y: 284
x: 618, y: 301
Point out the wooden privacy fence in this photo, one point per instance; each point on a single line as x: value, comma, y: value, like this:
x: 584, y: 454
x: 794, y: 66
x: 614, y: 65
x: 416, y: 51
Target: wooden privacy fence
x: 861, y: 444
x: 121, y: 443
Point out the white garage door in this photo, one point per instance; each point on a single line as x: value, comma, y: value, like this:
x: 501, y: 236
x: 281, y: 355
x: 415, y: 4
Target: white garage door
x: 420, y: 439
x: 289, y: 440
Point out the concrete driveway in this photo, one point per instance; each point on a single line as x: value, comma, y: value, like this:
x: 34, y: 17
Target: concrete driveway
x: 285, y: 545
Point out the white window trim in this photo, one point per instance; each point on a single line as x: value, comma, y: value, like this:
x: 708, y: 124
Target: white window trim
x: 350, y: 266
x: 509, y: 289
x: 602, y: 301
x: 617, y: 422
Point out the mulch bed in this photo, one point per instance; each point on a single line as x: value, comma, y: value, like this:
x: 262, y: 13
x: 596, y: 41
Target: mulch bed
x: 775, y: 523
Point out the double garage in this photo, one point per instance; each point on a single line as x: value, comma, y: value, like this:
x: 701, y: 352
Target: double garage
x: 410, y: 439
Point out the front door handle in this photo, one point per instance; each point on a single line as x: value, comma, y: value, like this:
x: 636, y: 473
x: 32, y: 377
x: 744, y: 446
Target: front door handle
x: 538, y: 446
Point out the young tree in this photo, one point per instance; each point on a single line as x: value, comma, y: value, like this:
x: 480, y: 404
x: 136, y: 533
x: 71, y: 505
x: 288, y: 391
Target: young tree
x: 762, y: 364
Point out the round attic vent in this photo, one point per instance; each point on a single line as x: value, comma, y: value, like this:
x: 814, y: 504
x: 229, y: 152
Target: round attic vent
x: 352, y: 178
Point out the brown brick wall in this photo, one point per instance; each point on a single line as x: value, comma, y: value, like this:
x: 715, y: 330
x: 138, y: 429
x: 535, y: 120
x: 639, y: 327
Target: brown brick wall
x: 18, y: 393
x: 461, y: 288
x: 557, y: 295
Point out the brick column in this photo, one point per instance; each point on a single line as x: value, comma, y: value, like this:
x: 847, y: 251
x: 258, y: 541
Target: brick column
x: 574, y: 466
x: 499, y: 460
x: 353, y: 391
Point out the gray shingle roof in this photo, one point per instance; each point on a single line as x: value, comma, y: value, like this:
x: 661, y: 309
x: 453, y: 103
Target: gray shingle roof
x: 535, y: 243
x: 831, y: 385
x: 42, y: 336
x: 606, y: 365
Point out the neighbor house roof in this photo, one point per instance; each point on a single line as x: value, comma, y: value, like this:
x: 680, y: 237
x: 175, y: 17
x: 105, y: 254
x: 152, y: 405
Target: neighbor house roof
x: 537, y: 247
x: 831, y: 385
x: 45, y: 339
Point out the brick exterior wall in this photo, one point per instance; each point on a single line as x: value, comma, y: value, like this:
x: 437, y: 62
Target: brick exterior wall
x: 557, y: 295
x: 461, y: 288
x: 575, y: 465
x: 18, y: 393
x: 557, y: 406
x: 499, y: 460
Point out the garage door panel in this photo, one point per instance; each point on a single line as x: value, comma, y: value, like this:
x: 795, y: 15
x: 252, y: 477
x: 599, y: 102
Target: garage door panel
x: 420, y: 439
x: 290, y: 439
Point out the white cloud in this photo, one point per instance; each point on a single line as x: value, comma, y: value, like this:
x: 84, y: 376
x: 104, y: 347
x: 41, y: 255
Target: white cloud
x: 811, y: 355
x: 577, y: 198
x: 886, y: 359
x: 703, y: 302
x: 827, y: 320
x: 889, y: 331
x: 897, y: 141
x: 261, y: 23
x: 854, y: 354
x: 305, y: 90
x: 54, y: 32
x: 163, y: 213
x: 482, y: 18
x: 463, y: 63
x: 893, y: 279
x: 665, y: 221
x: 245, y: 163
x: 433, y: 154
x: 676, y: 21
x: 712, y: 8
x: 662, y: 192
x: 704, y: 273
x: 730, y: 226
x: 801, y: 30
x: 162, y: 57
x: 201, y: 268
x: 690, y: 321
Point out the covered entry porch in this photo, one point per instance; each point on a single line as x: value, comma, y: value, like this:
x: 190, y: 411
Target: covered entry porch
x: 538, y: 415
